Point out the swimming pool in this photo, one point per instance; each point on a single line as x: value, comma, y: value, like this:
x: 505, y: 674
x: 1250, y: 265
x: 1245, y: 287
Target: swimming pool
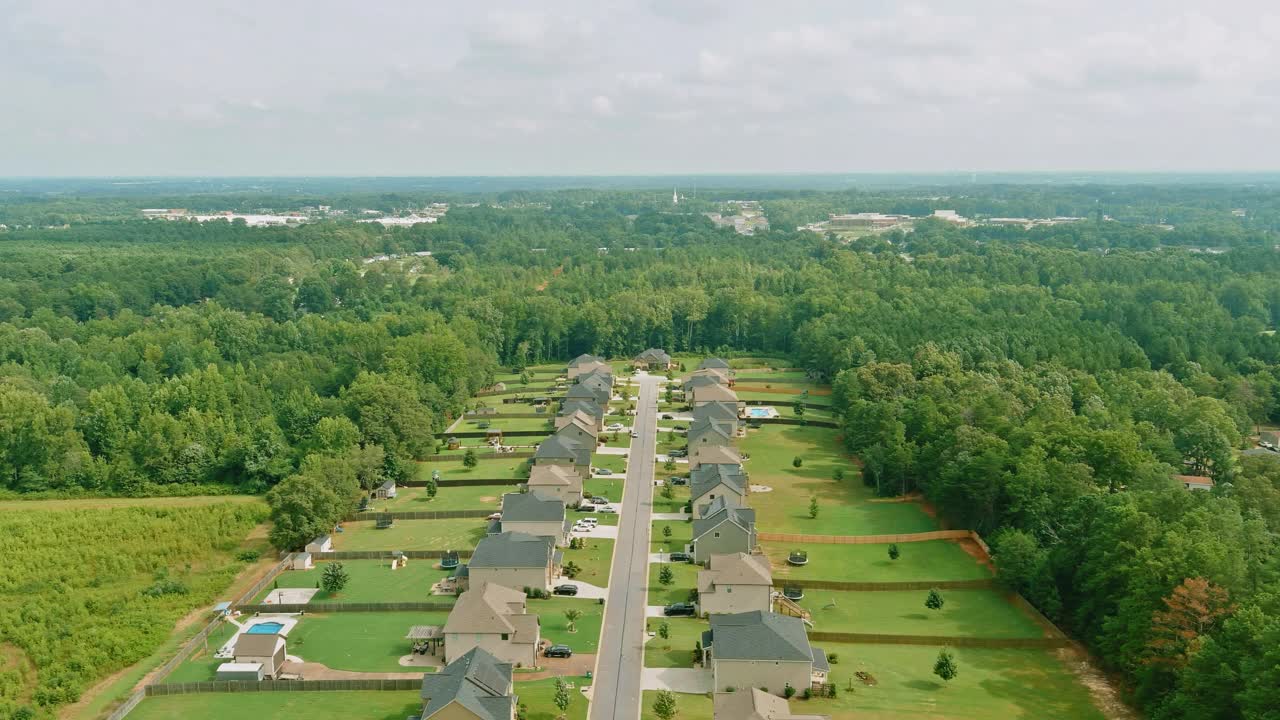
x: 264, y: 628
x: 761, y: 412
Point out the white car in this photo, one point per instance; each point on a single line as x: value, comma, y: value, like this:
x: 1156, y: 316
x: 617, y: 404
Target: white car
x: 614, y: 426
x: 635, y: 433
x: 589, y: 521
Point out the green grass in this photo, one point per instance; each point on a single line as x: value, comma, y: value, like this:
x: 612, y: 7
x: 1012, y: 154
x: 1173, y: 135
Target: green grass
x: 679, y: 496
x: 371, y: 581
x: 677, y: 651
x: 539, y: 697
x: 460, y: 534
x: 844, y: 507
x: 497, y: 468
x: 359, y: 641
x: 202, y: 666
x: 595, y: 561
x: 501, y: 423
x: 688, y: 707
x: 555, y: 626
x: 780, y: 394
x: 610, y: 487
x: 681, y: 535
x: 463, y: 497
x: 965, y: 613
x: 623, y: 438
x: 1031, y: 684
x: 932, y: 561
x: 603, y: 517
x: 616, y: 463
x: 686, y: 579
x: 309, y: 705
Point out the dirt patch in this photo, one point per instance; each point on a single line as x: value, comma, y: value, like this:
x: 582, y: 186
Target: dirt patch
x: 489, y: 499
x: 1105, y: 695
x: 976, y: 551
x: 318, y: 671
x: 579, y: 664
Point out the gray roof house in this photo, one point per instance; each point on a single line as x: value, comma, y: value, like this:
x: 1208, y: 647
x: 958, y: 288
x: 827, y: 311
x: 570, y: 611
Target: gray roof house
x: 716, y: 410
x: 698, y: 380
x: 534, y: 513
x: 708, y: 393
x: 723, y: 529
x: 495, y: 618
x: 559, y: 481
x: 476, y: 684
x: 713, y: 364
x: 562, y: 450
x: 717, y: 482
x: 653, y: 358
x: 584, y: 359
x: 763, y: 650
x: 755, y: 705
x: 514, y: 559
x: 589, y: 392
x: 711, y: 431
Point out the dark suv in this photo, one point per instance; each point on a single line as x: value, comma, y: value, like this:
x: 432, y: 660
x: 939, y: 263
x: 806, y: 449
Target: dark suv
x: 680, y: 610
x: 681, y: 557
x: 565, y: 590
x: 558, y: 651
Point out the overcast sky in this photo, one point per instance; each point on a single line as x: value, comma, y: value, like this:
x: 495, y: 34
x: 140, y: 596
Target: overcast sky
x: 282, y: 87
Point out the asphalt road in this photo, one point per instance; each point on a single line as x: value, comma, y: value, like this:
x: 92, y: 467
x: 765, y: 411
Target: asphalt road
x: 616, y: 692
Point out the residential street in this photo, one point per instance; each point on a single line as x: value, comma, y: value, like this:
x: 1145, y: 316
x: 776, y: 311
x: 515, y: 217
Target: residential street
x: 617, y: 689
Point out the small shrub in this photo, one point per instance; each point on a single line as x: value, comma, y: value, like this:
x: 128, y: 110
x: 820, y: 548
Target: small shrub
x: 833, y: 658
x: 797, y: 461
x: 248, y: 555
x: 788, y: 691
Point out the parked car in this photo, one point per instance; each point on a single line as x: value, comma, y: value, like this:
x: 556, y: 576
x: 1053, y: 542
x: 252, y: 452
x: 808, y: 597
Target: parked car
x: 603, y: 471
x: 590, y: 521
x: 668, y: 416
x: 682, y: 609
x: 635, y: 433
x: 683, y: 557
x: 614, y: 426
x: 565, y: 590
x: 610, y: 508
x: 679, y: 480
x: 494, y: 516
x: 678, y: 452
x: 598, y: 500
x: 558, y: 651
x: 586, y: 507
x: 679, y: 427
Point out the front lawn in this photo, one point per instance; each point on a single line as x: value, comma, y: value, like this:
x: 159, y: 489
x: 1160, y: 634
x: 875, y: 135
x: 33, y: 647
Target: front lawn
x: 538, y: 697
x: 341, y: 705
x: 461, y: 534
x: 603, y: 518
x: 616, y: 463
x: 370, y: 581
x: 685, y: 579
x: 965, y: 613
x: 932, y: 561
x: 677, y: 650
x: 679, y: 497
x: 607, y: 487
x: 845, y: 507
x: 594, y: 561
x: 688, y: 707
x: 681, y: 535
x: 555, y: 626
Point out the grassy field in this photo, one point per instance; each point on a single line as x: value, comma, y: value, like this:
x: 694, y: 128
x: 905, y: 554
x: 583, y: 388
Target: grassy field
x: 500, y: 468
x: 463, y: 497
x: 936, y: 560
x: 844, y: 507
x: 681, y: 535
x: 371, y: 581
x: 677, y: 650
x: 616, y: 463
x: 91, y: 503
x: 411, y: 535
x: 686, y: 579
x: 680, y: 496
x: 360, y: 641
x: 286, y: 705
x: 594, y: 559
x: 555, y: 626
x: 202, y: 666
x: 965, y: 613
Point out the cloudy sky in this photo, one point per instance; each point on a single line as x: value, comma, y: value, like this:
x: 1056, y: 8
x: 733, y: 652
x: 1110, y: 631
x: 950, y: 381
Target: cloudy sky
x: 284, y: 87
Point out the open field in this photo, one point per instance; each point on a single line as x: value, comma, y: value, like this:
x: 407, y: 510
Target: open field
x: 932, y: 561
x: 555, y: 625
x: 677, y: 650
x: 686, y: 579
x: 845, y: 507
x: 594, y: 560
x: 965, y: 613
x: 488, y: 467
x: 283, y: 706
x: 463, y: 497
x: 91, y: 503
x: 681, y: 535
x: 370, y: 581
x: 460, y: 534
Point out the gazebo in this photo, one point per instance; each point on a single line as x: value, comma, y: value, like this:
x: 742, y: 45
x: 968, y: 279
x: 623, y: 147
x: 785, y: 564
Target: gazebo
x: 426, y: 639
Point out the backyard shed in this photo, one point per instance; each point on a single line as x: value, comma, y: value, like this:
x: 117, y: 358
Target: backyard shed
x: 302, y: 561
x: 251, y: 672
x: 321, y: 544
x: 264, y: 649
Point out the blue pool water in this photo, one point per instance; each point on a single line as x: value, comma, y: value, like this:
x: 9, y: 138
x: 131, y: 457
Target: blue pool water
x: 264, y: 628
x: 759, y: 412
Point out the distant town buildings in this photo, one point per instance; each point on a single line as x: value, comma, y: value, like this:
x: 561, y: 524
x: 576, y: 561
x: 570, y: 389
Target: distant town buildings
x: 264, y: 218
x: 868, y: 222
x: 746, y: 217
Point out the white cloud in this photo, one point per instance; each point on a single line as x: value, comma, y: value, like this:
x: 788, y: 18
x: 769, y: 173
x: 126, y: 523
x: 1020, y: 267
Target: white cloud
x: 602, y: 106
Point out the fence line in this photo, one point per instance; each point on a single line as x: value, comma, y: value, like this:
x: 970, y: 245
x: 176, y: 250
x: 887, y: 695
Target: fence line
x: 506, y: 416
x: 477, y: 434
x: 983, y: 584
x: 770, y: 380
x: 127, y: 707
x: 517, y: 391
x: 386, y: 554
x: 257, y: 588
x: 337, y: 607
x: 794, y: 421
x: 809, y: 406
x: 418, y: 515
x: 867, y: 539
x: 976, y: 642
x: 241, y: 686
x: 458, y: 457
x: 476, y: 482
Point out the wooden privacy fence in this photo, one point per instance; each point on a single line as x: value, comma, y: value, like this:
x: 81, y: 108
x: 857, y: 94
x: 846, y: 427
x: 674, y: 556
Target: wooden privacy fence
x: 507, y: 416
x: 794, y: 421
x: 772, y: 380
x: 517, y: 391
x: 477, y: 434
x: 419, y: 515
x: 475, y: 482
x: 385, y: 554
x: 809, y: 406
x: 479, y: 456
x: 975, y: 642
x: 243, y: 686
x: 867, y: 539
x: 983, y: 584
x: 334, y: 607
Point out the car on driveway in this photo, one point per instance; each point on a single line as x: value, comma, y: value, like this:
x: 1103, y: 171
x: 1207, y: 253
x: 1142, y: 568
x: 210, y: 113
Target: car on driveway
x: 603, y: 471
x: 677, y: 453
x: 679, y: 427
x: 598, y: 500
x: 668, y: 416
x: 682, y: 557
x: 635, y: 433
x: 676, y: 480
x: 565, y: 590
x: 614, y: 426
x: 558, y: 651
x: 683, y: 609
x: 494, y: 516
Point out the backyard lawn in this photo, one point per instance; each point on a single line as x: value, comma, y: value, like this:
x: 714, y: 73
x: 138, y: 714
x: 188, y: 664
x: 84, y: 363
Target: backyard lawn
x: 500, y: 423
x: 359, y: 641
x: 681, y: 535
x: 965, y: 613
x: 370, y: 581
x: 1031, y: 684
x: 462, y: 534
x: 677, y: 650
x: 594, y: 560
x: 299, y: 705
x: 489, y: 467
x: 616, y: 463
x: 462, y: 497
x: 202, y: 666
x: 686, y: 579
x: 679, y: 496
x: 781, y: 394
x: 555, y: 626
x: 932, y: 561
x: 845, y: 507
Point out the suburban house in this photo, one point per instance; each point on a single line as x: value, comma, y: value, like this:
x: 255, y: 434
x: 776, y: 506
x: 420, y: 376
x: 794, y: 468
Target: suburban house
x: 652, y: 359
x: 321, y: 544
x: 761, y: 650
x: 735, y: 583
x: 591, y: 392
x: 1195, y: 482
x: 558, y: 481
x: 711, y: 482
x: 584, y: 364
x: 703, y: 378
x: 755, y: 705
x: 708, y: 431
x: 475, y: 686
x: 717, y: 411
x: 587, y: 407
x: 713, y: 455
x: 557, y: 450
x: 578, y: 430
x: 515, y: 560
x: 703, y: 394
x: 494, y: 618
x: 723, y: 530
x: 577, y: 417
x: 266, y: 650
x: 715, y: 364
x: 534, y: 514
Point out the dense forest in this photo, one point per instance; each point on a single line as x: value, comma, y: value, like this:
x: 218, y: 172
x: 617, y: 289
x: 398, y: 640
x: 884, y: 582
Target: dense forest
x: 1039, y: 386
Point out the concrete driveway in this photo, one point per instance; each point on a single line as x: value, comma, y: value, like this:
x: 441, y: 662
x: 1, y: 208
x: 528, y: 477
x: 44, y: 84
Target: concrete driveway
x: 600, y: 531
x: 585, y: 590
x: 681, y: 680
x: 671, y: 516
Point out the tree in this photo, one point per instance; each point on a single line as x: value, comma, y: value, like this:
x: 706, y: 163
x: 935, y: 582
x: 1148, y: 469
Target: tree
x: 945, y: 666
x: 664, y: 705
x: 664, y: 630
x: 666, y: 575
x: 334, y: 578
x: 303, y: 507
x: 572, y: 616
x: 571, y: 569
x: 1191, y: 610
x: 894, y: 552
x: 469, y: 458
x: 934, y: 601
x: 797, y: 461
x: 562, y: 698
x: 813, y: 507
x: 666, y: 532
x: 669, y: 465
x: 838, y: 475
x: 432, y: 487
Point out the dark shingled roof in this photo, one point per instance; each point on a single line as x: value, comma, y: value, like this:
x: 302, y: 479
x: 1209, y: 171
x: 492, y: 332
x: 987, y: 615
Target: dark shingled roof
x: 759, y: 635
x: 713, y: 364
x: 512, y: 550
x: 531, y: 507
x: 558, y: 447
x: 717, y: 512
x: 476, y: 681
x: 706, y: 477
